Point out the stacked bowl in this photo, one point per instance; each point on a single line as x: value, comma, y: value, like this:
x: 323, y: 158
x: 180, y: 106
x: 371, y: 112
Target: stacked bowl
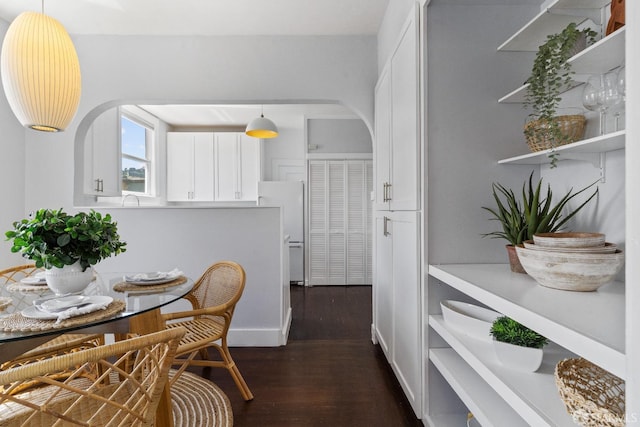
x: 571, y: 261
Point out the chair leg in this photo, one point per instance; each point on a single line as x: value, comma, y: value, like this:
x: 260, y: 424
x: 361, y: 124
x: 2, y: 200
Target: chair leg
x: 234, y: 371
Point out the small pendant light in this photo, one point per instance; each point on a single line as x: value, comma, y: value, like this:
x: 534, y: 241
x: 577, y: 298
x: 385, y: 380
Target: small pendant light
x: 261, y: 127
x: 40, y: 72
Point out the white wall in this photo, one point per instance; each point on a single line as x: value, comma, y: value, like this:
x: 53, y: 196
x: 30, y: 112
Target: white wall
x: 468, y: 131
x: 161, y: 239
x: 338, y: 136
x: 12, y: 174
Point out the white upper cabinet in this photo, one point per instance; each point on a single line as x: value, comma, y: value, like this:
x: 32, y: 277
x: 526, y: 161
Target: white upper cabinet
x: 190, y: 166
x: 397, y: 130
x: 102, y: 151
x: 237, y: 167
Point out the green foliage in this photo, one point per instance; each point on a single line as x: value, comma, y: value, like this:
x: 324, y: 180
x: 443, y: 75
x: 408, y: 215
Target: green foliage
x: 53, y: 238
x: 505, y: 329
x: 550, y: 75
x: 521, y: 219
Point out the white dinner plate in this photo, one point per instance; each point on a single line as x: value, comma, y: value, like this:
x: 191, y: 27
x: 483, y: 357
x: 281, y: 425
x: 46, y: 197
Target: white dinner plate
x: 61, y: 303
x: 34, y: 280
x: 33, y: 312
x: 149, y: 279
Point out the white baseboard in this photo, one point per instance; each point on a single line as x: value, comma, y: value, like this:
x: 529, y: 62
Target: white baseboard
x: 267, y: 337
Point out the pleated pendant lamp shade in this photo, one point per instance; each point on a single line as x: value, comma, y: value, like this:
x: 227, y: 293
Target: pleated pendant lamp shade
x: 261, y: 127
x: 40, y: 72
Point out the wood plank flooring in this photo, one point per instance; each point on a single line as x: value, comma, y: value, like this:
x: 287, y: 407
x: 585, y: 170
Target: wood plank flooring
x: 329, y: 373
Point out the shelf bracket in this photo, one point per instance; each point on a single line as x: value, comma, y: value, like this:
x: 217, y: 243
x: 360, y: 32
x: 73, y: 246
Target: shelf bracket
x: 598, y: 160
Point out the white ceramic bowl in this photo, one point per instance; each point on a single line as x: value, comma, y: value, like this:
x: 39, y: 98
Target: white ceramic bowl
x: 571, y: 271
x: 608, y: 248
x: 469, y: 319
x: 569, y: 240
x: 525, y: 359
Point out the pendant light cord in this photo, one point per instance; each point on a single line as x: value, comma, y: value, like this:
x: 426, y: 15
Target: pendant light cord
x: 42, y: 6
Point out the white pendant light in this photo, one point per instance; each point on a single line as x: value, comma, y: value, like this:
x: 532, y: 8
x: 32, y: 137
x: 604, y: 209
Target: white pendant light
x: 261, y: 127
x: 40, y: 72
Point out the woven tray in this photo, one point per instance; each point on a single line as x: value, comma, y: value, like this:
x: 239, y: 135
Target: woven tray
x: 594, y: 397
x: 126, y: 286
x: 24, y: 287
x: 16, y: 322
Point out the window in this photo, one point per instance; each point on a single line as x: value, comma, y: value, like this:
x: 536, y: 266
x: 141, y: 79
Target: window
x: 137, y: 149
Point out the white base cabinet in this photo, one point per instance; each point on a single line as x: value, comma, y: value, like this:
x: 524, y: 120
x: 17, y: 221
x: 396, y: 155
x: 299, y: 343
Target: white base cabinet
x: 397, y: 298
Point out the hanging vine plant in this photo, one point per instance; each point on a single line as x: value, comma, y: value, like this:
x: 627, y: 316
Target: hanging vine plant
x: 550, y: 76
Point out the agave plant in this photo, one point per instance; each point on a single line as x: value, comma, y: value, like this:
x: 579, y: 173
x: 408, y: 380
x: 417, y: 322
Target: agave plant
x: 522, y: 219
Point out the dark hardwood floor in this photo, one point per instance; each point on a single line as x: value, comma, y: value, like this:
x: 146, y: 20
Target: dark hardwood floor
x: 329, y: 373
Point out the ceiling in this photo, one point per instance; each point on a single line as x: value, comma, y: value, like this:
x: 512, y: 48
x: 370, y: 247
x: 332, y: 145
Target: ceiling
x: 208, y: 17
x: 212, y: 18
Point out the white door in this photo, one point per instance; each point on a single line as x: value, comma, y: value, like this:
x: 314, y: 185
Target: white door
x: 383, y: 283
x: 383, y: 140
x: 179, y: 166
x: 339, y: 222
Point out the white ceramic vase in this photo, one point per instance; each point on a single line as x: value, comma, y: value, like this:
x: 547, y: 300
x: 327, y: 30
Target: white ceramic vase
x: 525, y: 359
x: 69, y: 279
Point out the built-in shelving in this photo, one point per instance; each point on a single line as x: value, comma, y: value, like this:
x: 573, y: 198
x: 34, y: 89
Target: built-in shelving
x: 552, y: 20
x: 574, y: 151
x: 527, y: 393
x: 589, y: 324
x: 486, y: 405
x: 598, y: 58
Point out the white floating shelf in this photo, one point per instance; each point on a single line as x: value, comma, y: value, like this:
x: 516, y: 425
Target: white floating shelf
x: 599, y: 144
x: 550, y: 21
x: 532, y: 395
x: 590, y: 324
x: 598, y: 58
x: 602, y: 56
x: 485, y: 404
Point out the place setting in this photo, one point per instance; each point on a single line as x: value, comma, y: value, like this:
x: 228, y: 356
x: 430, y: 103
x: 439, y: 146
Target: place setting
x: 150, y: 281
x: 53, y: 312
x: 35, y: 283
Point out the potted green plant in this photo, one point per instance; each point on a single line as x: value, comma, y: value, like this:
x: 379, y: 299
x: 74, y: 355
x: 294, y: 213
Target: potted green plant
x: 516, y: 346
x: 58, y: 241
x: 521, y: 218
x: 550, y: 75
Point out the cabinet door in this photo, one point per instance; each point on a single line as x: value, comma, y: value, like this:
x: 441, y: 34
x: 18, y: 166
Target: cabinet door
x: 405, y: 156
x: 179, y: 166
x: 249, y: 167
x: 203, y: 167
x: 383, y: 283
x: 382, y: 140
x: 103, y: 145
x: 226, y: 170
x: 406, y: 350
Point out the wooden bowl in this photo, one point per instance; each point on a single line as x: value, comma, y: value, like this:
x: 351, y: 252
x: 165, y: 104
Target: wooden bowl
x: 608, y: 248
x: 569, y: 240
x: 571, y: 271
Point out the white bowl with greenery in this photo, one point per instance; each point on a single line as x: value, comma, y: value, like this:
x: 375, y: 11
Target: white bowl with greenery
x: 516, y: 346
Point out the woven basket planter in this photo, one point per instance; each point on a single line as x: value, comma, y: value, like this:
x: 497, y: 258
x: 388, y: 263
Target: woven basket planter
x: 539, y: 137
x: 593, y: 396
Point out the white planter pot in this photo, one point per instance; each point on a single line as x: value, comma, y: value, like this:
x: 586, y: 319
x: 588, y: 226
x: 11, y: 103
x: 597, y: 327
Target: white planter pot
x: 525, y: 359
x: 69, y: 279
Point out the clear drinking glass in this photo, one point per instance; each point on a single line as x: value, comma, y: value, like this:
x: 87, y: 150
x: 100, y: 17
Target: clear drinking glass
x: 621, y: 84
x: 608, y: 96
x: 590, y: 97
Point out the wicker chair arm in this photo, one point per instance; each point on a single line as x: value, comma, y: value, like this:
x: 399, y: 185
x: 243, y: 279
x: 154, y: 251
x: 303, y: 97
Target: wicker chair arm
x: 209, y: 311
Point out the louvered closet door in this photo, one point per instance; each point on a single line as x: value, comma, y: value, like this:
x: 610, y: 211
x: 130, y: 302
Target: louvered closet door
x: 340, y: 222
x: 317, y: 223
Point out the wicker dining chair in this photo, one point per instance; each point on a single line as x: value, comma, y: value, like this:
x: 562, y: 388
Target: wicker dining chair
x: 134, y: 374
x: 213, y: 298
x: 59, y: 345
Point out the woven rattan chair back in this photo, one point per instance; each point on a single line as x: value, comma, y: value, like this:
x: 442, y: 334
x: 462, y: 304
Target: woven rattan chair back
x: 214, y: 298
x: 134, y: 374
x: 17, y: 273
x: 59, y: 345
x: 221, y: 285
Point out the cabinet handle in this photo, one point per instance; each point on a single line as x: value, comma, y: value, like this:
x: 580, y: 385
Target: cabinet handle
x: 384, y: 192
x: 388, y: 192
x: 385, y: 229
x: 99, y: 186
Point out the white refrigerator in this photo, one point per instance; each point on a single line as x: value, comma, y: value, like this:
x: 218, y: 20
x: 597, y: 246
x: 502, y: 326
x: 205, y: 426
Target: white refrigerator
x: 289, y: 195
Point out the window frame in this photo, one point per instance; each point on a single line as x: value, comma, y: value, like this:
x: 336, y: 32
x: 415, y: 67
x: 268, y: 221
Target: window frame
x: 150, y: 123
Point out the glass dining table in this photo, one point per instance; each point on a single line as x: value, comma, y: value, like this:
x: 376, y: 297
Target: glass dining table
x: 133, y: 308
